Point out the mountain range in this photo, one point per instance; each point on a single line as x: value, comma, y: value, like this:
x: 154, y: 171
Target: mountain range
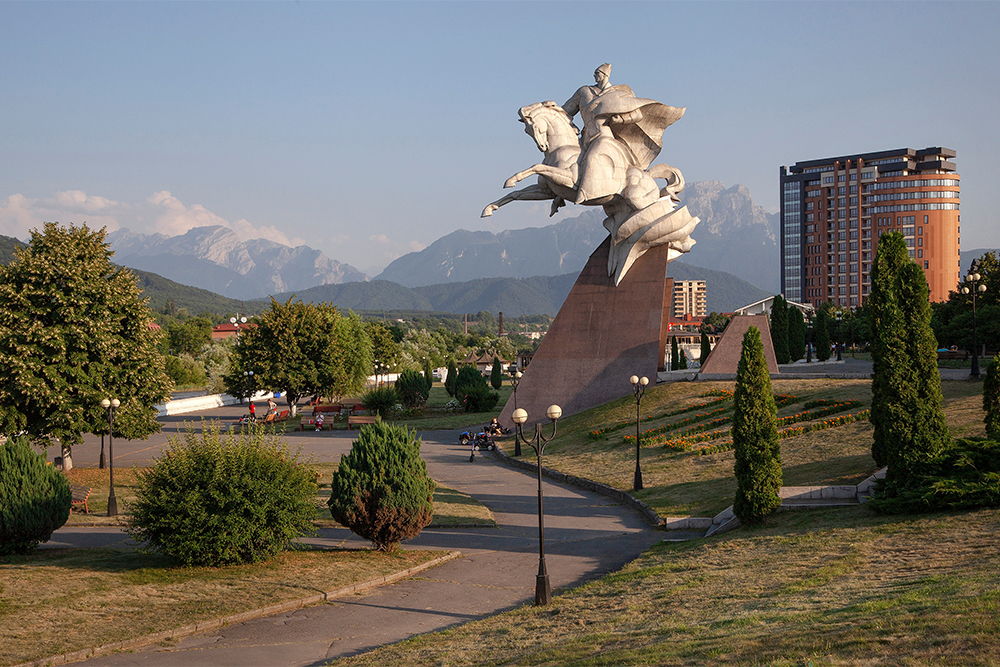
x: 511, y: 296
x: 734, y: 235
x: 214, y: 258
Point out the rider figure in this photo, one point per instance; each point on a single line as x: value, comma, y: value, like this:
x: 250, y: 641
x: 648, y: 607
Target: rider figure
x: 582, y: 99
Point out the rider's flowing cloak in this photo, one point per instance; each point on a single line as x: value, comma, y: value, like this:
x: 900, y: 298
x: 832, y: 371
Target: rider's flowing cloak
x: 642, y: 132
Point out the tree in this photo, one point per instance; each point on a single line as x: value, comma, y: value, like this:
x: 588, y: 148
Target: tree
x: 190, y: 336
x: 34, y: 498
x: 385, y: 350
x: 755, y: 435
x: 381, y: 490
x: 452, y: 379
x: 73, y: 331
x: 796, y: 334
x: 674, y: 360
x: 428, y: 374
x: 496, y: 375
x: 352, y: 360
x: 295, y: 349
x: 706, y: 347
x: 906, y: 413
x: 682, y: 359
x: 821, y: 335
x: 991, y: 399
x: 412, y: 388
x: 779, y: 329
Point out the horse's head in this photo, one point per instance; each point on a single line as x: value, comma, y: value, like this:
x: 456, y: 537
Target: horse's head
x: 547, y: 123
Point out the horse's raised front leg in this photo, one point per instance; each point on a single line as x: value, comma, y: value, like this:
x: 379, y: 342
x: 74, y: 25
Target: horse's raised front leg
x: 532, y: 192
x: 558, y: 175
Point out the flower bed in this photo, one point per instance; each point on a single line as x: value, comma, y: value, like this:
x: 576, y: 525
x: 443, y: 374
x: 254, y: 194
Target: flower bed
x: 795, y: 430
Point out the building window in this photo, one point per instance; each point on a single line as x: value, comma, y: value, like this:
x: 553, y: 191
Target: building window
x: 926, y: 264
x: 920, y: 253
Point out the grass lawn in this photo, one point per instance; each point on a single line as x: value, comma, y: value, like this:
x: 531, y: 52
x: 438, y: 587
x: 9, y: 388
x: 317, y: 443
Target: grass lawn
x: 818, y: 587
x: 60, y: 600
x: 688, y: 484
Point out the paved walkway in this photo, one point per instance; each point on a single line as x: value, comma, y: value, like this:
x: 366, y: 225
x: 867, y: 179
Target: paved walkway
x: 586, y: 535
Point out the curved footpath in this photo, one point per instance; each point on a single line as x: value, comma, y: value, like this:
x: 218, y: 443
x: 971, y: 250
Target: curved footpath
x: 586, y: 536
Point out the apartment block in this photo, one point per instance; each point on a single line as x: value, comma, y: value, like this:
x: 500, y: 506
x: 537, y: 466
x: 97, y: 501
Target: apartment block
x: 689, y: 299
x: 834, y: 210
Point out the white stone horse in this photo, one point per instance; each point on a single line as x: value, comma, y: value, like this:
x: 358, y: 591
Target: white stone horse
x: 608, y: 170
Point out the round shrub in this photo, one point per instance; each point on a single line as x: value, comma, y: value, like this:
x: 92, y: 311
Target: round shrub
x: 34, y: 498
x: 381, y: 400
x: 412, y: 389
x: 381, y: 490
x: 991, y: 399
x: 213, y: 500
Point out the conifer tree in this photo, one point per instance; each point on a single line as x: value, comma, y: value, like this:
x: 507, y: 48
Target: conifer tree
x: 496, y: 375
x: 682, y: 359
x: 755, y: 435
x: 428, y: 374
x: 674, y: 361
x: 796, y: 334
x: 991, y: 399
x: 779, y: 329
x: 821, y: 335
x: 74, y: 330
x: 451, y: 381
x: 706, y: 348
x: 906, y: 414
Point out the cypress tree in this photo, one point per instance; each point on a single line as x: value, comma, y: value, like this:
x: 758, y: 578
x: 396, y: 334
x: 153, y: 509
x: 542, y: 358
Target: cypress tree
x: 991, y: 399
x: 496, y: 377
x: 821, y: 335
x: 779, y: 329
x: 906, y: 415
x: 428, y: 374
x: 674, y: 361
x: 452, y: 379
x: 682, y: 359
x: 755, y: 435
x: 796, y: 334
x: 706, y: 348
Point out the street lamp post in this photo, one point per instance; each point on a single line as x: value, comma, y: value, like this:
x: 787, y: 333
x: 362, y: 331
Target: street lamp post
x: 973, y: 287
x: 809, y: 331
x: 543, y: 590
x: 237, y: 321
x: 248, y: 378
x: 111, y: 405
x: 840, y: 334
x: 515, y: 379
x: 638, y: 388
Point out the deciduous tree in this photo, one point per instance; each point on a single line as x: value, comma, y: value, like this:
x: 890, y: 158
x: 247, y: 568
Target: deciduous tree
x: 73, y: 331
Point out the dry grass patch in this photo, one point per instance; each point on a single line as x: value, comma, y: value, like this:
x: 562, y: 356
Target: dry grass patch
x: 824, y: 587
x: 60, y: 600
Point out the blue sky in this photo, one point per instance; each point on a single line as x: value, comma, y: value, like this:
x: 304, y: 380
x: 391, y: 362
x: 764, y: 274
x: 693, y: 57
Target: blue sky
x: 371, y: 129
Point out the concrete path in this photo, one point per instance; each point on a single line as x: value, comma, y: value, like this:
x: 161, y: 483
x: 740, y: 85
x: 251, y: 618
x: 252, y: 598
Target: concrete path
x: 586, y: 535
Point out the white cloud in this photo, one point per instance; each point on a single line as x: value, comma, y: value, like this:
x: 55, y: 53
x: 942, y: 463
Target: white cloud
x: 20, y: 214
x: 160, y: 213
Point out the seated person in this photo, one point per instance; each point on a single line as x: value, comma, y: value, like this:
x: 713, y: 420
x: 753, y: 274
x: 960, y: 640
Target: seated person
x: 319, y: 421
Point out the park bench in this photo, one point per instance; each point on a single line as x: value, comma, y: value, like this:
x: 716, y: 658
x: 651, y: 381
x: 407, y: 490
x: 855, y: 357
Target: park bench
x: 80, y: 496
x: 962, y: 355
x: 362, y: 419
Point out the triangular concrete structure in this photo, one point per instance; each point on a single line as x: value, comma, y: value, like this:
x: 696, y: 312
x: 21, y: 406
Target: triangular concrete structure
x: 602, y: 335
x: 725, y: 356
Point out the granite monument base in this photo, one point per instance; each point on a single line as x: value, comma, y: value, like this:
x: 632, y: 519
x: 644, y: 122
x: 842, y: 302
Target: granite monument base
x: 601, y: 336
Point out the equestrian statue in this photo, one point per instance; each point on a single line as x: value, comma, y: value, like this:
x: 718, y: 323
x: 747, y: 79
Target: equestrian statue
x: 609, y: 164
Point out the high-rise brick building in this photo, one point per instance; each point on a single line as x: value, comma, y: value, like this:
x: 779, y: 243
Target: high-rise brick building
x: 834, y: 210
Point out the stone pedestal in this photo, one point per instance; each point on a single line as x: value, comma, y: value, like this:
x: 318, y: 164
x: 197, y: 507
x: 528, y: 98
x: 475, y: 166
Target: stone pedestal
x: 602, y: 336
